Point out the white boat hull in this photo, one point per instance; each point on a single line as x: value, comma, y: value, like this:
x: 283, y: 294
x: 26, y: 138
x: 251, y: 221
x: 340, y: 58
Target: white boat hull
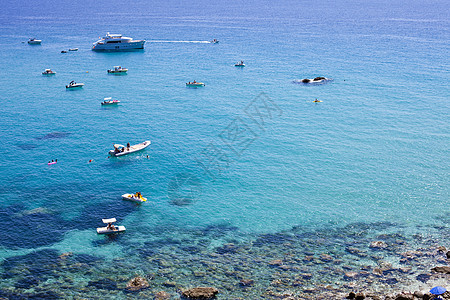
x: 133, y: 198
x: 134, y: 45
x: 74, y: 86
x: 131, y: 149
x: 105, y: 230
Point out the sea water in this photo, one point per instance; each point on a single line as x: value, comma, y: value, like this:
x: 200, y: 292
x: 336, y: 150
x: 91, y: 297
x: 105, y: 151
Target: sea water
x: 247, y: 155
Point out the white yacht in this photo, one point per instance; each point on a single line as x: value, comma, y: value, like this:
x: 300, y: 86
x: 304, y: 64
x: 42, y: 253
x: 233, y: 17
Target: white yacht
x: 117, y: 42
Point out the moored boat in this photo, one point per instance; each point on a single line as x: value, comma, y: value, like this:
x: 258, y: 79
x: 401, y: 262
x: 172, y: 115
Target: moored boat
x: 240, y: 64
x: 137, y: 197
x: 110, y: 101
x: 48, y: 72
x: 73, y: 85
x: 110, y: 228
x: 117, y: 70
x: 33, y: 41
x: 120, y: 150
x: 194, y: 84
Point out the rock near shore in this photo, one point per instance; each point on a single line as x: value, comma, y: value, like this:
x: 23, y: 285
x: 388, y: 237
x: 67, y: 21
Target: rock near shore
x: 137, y: 284
x: 442, y: 269
x: 203, y: 293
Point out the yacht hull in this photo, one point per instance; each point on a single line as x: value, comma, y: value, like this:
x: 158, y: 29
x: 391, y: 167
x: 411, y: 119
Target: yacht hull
x: 131, y: 46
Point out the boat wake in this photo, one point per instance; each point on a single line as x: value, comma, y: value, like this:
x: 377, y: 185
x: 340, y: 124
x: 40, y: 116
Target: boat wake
x: 197, y: 42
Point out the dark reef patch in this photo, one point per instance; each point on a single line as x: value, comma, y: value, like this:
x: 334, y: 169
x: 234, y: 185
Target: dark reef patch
x: 27, y: 146
x: 53, y: 135
x: 30, y: 230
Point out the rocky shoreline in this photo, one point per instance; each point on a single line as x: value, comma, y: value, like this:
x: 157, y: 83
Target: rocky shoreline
x: 358, y: 261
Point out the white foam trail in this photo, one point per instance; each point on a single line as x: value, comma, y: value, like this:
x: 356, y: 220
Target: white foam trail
x: 198, y: 42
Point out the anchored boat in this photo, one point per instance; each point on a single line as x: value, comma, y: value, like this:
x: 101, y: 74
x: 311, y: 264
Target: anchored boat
x: 73, y: 85
x: 240, y: 64
x: 194, y: 84
x: 120, y: 150
x: 117, y: 70
x: 110, y: 101
x: 33, y: 41
x: 134, y: 197
x: 110, y: 228
x: 48, y: 72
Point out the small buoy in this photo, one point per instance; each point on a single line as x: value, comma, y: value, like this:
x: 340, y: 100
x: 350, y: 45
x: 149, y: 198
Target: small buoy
x: 87, y: 71
x: 90, y: 160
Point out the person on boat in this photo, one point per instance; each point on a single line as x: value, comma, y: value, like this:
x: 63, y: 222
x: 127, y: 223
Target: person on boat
x: 56, y: 160
x: 128, y: 145
x: 194, y: 81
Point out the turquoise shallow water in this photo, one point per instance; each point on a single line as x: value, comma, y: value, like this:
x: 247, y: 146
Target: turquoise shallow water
x: 375, y: 149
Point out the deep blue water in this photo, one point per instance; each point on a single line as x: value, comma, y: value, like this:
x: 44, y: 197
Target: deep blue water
x: 375, y: 150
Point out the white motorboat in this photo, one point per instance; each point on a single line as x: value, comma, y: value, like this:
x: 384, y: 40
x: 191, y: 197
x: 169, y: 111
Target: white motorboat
x: 137, y: 197
x: 214, y: 41
x: 33, y: 41
x: 120, y: 150
x: 48, y: 72
x: 194, y: 84
x: 73, y: 49
x: 73, y: 85
x: 118, y: 70
x: 240, y: 64
x: 117, y: 42
x: 111, y: 228
x: 110, y: 101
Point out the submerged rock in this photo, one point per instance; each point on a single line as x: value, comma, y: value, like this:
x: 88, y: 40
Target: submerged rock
x: 378, y: 245
x: 200, y: 293
x: 162, y: 296
x: 442, y: 269
x: 276, y: 262
x: 246, y: 282
x: 104, y: 284
x: 350, y: 275
x: 136, y: 284
x: 404, y: 296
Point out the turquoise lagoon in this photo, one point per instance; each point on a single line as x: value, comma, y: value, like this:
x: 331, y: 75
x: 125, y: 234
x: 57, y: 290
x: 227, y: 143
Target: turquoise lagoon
x: 238, y: 170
